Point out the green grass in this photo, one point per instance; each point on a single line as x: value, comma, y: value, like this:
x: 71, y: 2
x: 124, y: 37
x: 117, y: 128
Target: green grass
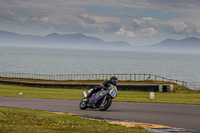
x: 13, y: 120
x: 171, y: 98
x: 35, y: 92
x: 181, y: 95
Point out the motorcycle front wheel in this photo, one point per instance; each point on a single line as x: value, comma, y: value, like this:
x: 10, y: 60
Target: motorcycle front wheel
x: 104, y: 106
x: 83, y: 105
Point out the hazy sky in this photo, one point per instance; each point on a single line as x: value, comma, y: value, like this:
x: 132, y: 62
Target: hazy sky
x: 139, y: 22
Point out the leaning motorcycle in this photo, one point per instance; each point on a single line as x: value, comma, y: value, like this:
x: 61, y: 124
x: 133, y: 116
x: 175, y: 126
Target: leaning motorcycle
x: 101, y: 99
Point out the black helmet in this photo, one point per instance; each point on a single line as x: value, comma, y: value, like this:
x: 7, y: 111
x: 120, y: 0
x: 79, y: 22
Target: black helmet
x: 113, y: 80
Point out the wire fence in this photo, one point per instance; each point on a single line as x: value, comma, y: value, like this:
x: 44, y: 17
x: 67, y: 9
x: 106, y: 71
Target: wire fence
x: 194, y: 85
x: 122, y: 77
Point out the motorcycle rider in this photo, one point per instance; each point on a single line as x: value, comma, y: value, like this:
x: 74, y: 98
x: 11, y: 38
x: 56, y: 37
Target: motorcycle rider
x: 113, y: 80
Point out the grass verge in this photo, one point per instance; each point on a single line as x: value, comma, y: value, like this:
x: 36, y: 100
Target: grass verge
x: 180, y: 96
x: 23, y: 121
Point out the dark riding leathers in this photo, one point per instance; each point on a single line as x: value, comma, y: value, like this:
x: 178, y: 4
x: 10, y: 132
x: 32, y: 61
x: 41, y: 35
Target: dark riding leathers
x: 104, y: 85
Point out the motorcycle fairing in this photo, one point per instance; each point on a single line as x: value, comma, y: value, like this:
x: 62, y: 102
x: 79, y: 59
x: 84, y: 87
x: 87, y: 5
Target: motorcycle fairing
x: 99, y: 95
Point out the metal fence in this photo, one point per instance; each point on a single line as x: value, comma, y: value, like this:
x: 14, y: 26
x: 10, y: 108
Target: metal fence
x: 122, y: 77
x: 194, y: 85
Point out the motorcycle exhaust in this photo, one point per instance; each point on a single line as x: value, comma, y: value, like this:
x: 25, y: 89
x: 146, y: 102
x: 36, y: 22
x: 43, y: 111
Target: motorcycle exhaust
x: 85, y: 94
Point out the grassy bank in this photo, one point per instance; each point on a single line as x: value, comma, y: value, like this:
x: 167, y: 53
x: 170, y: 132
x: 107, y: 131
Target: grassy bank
x: 180, y: 96
x: 23, y: 121
x: 81, y: 81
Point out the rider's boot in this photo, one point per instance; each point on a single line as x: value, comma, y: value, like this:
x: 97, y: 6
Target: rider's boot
x: 90, y: 94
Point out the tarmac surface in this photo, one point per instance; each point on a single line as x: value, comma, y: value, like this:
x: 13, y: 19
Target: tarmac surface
x: 173, y: 115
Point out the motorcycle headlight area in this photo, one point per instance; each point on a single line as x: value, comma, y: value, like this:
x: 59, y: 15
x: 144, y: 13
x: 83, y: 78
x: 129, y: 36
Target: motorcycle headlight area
x: 113, y: 93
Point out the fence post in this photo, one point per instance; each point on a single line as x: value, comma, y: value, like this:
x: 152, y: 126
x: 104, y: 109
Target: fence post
x: 139, y: 77
x: 135, y: 77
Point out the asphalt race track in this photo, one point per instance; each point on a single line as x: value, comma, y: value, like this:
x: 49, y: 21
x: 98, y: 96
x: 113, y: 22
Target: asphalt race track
x: 174, y: 115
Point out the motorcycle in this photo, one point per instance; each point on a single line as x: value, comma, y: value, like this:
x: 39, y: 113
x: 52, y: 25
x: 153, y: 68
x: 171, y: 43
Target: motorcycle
x: 101, y: 99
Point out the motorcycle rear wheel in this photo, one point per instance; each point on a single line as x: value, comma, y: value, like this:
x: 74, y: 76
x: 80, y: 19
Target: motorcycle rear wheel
x: 83, y: 105
x: 106, y: 105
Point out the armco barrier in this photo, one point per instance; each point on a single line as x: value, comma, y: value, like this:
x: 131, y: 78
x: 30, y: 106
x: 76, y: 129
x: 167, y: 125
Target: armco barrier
x: 136, y: 87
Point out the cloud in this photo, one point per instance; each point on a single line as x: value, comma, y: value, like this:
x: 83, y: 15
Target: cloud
x: 87, y: 19
x: 124, y: 31
x: 139, y: 28
x: 150, y: 31
x: 177, y: 26
x: 6, y: 15
x: 44, y: 19
x: 151, y: 27
x: 129, y: 18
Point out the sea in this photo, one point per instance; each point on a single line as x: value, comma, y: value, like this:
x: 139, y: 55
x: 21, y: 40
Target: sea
x: 178, y: 66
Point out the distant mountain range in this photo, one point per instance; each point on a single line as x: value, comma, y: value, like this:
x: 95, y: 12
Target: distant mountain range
x: 187, y: 42
x: 77, y: 40
x: 191, y: 45
x: 81, y: 41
